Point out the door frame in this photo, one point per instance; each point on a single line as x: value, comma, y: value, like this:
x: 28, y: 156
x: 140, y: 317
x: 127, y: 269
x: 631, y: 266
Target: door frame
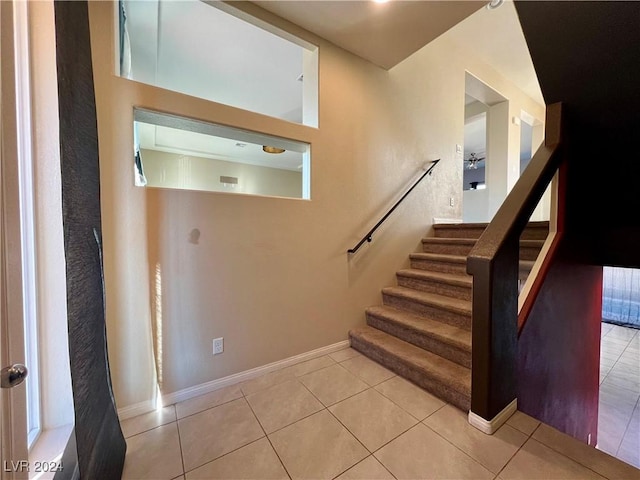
x: 13, y: 420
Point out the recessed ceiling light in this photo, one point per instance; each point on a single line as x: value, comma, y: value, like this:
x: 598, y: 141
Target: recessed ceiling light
x: 493, y: 4
x: 268, y: 149
x: 380, y: 1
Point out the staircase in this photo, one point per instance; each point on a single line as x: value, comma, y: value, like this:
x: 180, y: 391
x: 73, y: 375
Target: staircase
x: 423, y: 329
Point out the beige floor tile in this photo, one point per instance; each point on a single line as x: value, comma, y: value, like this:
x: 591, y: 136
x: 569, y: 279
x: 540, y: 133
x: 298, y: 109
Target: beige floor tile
x: 367, y: 469
x: 422, y: 453
x: 623, y: 382
x: 523, y: 422
x: 266, y: 381
x: 367, y: 370
x: 255, y: 461
x: 584, y: 454
x: 309, y: 366
x: 142, y: 423
x: 491, y: 451
x: 208, y: 435
x: 318, y: 447
x: 630, y: 454
x: 615, y: 341
x: 372, y: 418
x: 154, y: 454
x: 606, y: 328
x: 208, y: 400
x: 537, y: 461
x: 283, y: 404
x: 623, y: 333
x: 346, y: 354
x: 628, y: 359
x: 410, y: 397
x: 333, y: 384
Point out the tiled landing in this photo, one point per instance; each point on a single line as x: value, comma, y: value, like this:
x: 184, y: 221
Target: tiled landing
x: 619, y: 409
x: 344, y: 416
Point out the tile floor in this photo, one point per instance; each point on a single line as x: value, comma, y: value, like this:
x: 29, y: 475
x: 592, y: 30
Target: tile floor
x: 619, y: 409
x: 344, y: 416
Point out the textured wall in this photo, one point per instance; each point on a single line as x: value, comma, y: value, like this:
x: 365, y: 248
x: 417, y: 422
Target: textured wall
x: 271, y: 275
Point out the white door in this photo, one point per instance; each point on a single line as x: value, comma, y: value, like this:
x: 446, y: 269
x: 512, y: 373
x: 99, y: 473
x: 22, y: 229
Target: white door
x: 13, y: 403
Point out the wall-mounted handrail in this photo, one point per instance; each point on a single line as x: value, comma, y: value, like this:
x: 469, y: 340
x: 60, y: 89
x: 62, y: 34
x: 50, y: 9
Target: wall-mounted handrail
x: 494, y: 264
x: 369, y: 235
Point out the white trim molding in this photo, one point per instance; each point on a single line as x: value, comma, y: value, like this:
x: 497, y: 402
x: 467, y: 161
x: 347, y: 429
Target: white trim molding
x: 190, y: 392
x: 446, y: 220
x: 136, y: 409
x: 491, y: 426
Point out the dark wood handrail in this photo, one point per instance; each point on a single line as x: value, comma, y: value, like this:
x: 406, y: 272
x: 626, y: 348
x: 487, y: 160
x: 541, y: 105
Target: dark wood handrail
x: 369, y: 235
x: 494, y: 264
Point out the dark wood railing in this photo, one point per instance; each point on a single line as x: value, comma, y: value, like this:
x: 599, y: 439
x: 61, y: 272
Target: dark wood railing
x: 368, y: 237
x: 494, y: 264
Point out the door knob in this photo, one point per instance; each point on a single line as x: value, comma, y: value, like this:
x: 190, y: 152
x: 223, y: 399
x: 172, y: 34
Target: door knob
x: 13, y: 375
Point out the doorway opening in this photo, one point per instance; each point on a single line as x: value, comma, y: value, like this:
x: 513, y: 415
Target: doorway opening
x: 485, y: 157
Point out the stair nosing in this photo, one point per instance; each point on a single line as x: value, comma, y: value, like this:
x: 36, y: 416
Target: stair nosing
x: 426, y: 365
x: 442, y: 257
x: 388, y: 313
x: 457, y: 279
x: 427, y: 298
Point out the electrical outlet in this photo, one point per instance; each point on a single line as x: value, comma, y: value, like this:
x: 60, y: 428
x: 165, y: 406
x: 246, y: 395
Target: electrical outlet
x: 218, y: 345
x: 451, y: 202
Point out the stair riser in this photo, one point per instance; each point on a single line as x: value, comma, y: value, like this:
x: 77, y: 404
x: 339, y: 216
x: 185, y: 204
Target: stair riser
x: 431, y: 286
x: 466, y: 232
x: 436, y: 266
x: 446, y: 248
x: 529, y: 253
x: 461, y: 400
x: 450, y: 352
x: 535, y: 233
x: 445, y: 316
x: 530, y: 233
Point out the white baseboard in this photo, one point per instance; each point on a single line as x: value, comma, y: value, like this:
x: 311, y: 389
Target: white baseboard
x: 490, y: 426
x: 446, y: 220
x: 136, y: 409
x: 190, y: 392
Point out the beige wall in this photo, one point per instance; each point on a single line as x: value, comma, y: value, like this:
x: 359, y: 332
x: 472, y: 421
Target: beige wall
x: 187, y: 172
x: 271, y: 275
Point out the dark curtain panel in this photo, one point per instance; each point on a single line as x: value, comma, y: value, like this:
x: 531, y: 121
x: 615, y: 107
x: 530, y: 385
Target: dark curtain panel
x: 99, y: 441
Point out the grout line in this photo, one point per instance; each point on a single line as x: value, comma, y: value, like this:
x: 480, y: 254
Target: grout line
x: 269, y: 440
x: 458, y: 448
x: 637, y: 407
x: 529, y: 437
x: 184, y: 472
x: 208, y: 408
x: 223, y: 455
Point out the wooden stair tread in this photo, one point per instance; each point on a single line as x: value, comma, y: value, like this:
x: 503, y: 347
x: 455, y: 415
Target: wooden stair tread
x: 456, y: 305
x: 440, y: 331
x: 461, y: 280
x: 434, y: 366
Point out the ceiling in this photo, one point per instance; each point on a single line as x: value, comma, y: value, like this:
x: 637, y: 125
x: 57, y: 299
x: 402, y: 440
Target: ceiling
x: 388, y: 33
x: 383, y: 33
x: 496, y: 38
x: 183, y: 142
